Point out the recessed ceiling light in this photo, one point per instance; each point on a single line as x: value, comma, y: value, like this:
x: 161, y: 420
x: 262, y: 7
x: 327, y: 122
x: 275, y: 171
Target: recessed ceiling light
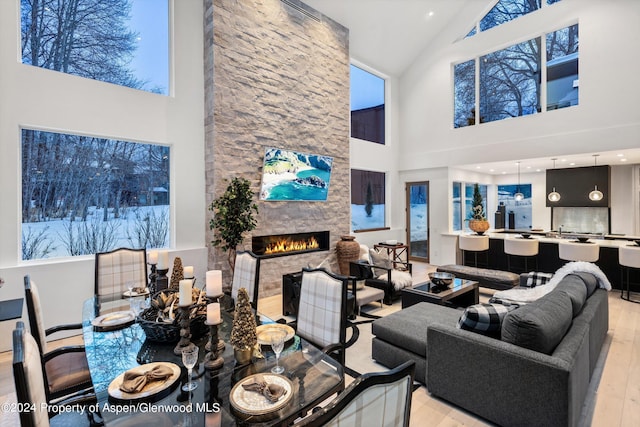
x: 492, y: 170
x: 563, y: 160
x: 623, y: 160
x: 431, y: 13
x: 572, y: 164
x: 538, y: 170
x: 528, y: 167
x: 504, y: 173
x: 619, y: 154
x: 478, y: 167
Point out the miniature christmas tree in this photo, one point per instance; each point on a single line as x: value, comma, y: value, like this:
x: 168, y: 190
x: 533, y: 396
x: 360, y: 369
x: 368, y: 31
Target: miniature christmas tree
x: 243, y: 332
x: 177, y: 274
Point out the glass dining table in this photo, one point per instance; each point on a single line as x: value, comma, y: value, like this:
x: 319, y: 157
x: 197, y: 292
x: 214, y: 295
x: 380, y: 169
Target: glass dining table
x: 313, y: 375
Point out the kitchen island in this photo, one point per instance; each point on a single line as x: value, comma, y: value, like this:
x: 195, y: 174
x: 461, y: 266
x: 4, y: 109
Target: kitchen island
x: 548, y: 259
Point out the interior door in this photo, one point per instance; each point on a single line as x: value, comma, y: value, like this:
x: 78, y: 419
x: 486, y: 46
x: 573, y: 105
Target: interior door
x: 417, y: 208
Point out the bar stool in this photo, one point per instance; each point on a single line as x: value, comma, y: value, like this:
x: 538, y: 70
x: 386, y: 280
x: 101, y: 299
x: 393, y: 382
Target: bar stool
x: 573, y: 251
x: 521, y: 247
x: 473, y: 243
x: 628, y: 258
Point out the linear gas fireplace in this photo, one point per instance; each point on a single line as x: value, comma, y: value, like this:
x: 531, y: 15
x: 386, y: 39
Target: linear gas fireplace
x: 290, y: 244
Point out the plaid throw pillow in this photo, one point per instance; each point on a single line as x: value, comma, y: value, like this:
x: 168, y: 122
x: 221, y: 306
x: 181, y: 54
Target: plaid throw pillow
x: 535, y: 278
x: 484, y: 319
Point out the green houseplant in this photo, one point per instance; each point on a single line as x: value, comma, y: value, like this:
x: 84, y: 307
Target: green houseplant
x: 233, y: 216
x: 478, y: 221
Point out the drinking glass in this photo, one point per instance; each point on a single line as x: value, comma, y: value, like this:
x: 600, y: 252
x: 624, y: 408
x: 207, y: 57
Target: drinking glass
x: 277, y: 344
x: 130, y: 287
x: 189, y: 359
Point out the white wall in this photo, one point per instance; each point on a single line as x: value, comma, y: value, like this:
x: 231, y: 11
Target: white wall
x: 606, y: 119
x: 49, y: 100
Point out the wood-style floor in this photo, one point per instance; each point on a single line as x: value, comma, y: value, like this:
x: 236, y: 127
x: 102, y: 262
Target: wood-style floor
x: 614, y: 401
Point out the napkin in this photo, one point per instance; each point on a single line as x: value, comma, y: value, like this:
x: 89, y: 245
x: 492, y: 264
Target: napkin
x: 273, y: 392
x: 134, y: 382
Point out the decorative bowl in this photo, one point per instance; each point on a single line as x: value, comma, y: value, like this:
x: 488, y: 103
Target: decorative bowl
x: 525, y: 235
x: 637, y: 242
x: 441, y: 279
x: 391, y: 242
x: 583, y: 239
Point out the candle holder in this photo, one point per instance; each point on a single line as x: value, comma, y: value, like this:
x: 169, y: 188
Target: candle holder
x: 162, y: 281
x: 152, y: 278
x: 220, y: 343
x: 213, y: 360
x: 185, y: 330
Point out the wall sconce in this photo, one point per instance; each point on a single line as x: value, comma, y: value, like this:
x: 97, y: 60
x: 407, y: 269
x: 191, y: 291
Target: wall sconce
x: 518, y: 196
x: 554, y: 196
x: 596, y: 194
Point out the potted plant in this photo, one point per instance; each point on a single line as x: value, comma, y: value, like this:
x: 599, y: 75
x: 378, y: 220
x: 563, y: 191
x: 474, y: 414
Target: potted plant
x: 478, y: 221
x: 243, y: 332
x: 233, y: 216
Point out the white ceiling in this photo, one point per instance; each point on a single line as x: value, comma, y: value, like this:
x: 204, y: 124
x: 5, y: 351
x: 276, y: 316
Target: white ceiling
x: 388, y: 35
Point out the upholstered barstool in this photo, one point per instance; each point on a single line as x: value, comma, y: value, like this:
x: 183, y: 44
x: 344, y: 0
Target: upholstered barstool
x: 522, y: 248
x: 629, y: 259
x: 473, y: 243
x: 575, y: 251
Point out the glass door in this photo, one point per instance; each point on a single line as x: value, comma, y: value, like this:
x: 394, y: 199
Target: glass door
x: 417, y: 208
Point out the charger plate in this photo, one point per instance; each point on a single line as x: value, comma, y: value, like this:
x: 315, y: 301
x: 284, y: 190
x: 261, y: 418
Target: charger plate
x: 150, y: 389
x: 115, y: 320
x: 264, y: 332
x: 135, y: 294
x: 254, y: 403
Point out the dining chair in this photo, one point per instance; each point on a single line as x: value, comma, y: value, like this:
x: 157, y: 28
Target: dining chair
x: 31, y: 392
x: 373, y: 399
x: 65, y: 369
x: 115, y: 269
x: 246, y: 274
x: 322, y: 314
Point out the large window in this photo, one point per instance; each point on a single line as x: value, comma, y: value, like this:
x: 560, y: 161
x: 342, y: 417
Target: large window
x: 82, y: 195
x: 510, y: 79
x: 125, y: 42
x: 462, y: 202
x: 520, y: 211
x: 367, y: 200
x: 507, y: 10
x: 367, y: 106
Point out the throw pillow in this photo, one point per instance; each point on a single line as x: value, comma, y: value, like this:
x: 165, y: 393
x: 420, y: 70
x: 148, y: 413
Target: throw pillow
x: 381, y: 260
x: 535, y: 278
x: 485, y: 319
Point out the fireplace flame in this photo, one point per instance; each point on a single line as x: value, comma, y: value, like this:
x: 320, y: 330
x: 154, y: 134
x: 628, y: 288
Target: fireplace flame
x: 287, y: 245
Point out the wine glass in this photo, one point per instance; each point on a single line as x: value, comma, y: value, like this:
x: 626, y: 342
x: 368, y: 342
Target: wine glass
x: 130, y: 287
x: 276, y: 340
x: 189, y: 359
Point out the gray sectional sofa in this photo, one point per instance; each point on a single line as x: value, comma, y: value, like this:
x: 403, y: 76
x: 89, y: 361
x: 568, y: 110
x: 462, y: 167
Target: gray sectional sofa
x: 537, y: 372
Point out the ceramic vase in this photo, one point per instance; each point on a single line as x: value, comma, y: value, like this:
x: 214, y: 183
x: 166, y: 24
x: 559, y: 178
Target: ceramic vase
x: 347, y: 250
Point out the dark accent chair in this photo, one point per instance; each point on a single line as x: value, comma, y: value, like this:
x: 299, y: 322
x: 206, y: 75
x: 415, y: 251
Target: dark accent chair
x: 30, y: 381
x: 114, y: 269
x: 378, y: 398
x: 65, y: 369
x: 362, y: 270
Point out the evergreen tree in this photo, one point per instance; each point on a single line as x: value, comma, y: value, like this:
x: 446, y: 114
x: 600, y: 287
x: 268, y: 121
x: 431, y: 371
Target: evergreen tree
x: 368, y: 207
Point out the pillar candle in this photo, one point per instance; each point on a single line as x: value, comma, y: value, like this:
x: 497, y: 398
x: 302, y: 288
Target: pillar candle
x: 163, y: 260
x: 188, y: 272
x: 153, y: 257
x: 185, y: 292
x: 214, y: 283
x: 213, y: 313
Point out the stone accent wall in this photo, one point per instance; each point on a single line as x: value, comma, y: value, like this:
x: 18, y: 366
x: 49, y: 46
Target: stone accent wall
x: 276, y: 77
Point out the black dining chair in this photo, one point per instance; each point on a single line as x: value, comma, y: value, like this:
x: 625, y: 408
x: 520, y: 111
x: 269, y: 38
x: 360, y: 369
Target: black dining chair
x: 65, y: 369
x: 373, y: 399
x: 31, y: 392
x: 322, y: 313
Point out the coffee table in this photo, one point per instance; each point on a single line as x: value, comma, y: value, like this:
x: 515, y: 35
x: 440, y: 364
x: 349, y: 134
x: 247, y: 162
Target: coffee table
x: 461, y: 293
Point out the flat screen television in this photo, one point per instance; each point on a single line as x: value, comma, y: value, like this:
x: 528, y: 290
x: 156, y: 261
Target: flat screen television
x: 292, y: 176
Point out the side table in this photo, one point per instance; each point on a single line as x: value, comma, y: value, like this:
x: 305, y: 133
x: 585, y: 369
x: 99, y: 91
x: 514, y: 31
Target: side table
x: 398, y: 254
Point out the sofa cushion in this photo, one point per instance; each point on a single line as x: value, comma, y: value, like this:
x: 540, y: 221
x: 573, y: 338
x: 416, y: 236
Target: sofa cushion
x: 541, y: 325
x: 575, y: 287
x: 589, y: 280
x: 535, y: 278
x: 485, y: 319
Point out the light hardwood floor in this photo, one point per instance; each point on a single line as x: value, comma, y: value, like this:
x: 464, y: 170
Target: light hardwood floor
x: 614, y: 399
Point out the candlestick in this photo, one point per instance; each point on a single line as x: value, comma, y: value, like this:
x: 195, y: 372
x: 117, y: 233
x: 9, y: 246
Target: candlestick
x: 185, y: 329
x: 185, y: 293
x: 214, y: 283
x: 162, y: 281
x: 188, y: 272
x: 213, y: 360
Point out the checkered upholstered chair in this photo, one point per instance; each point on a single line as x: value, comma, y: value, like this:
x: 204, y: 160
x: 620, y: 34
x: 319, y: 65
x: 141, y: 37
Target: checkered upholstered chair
x: 246, y: 274
x: 65, y: 369
x: 114, y: 269
x: 374, y: 399
x: 322, y: 314
x: 30, y: 389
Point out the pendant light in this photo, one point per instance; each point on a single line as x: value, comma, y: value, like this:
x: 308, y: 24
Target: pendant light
x: 518, y: 196
x: 554, y: 196
x: 595, y: 195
